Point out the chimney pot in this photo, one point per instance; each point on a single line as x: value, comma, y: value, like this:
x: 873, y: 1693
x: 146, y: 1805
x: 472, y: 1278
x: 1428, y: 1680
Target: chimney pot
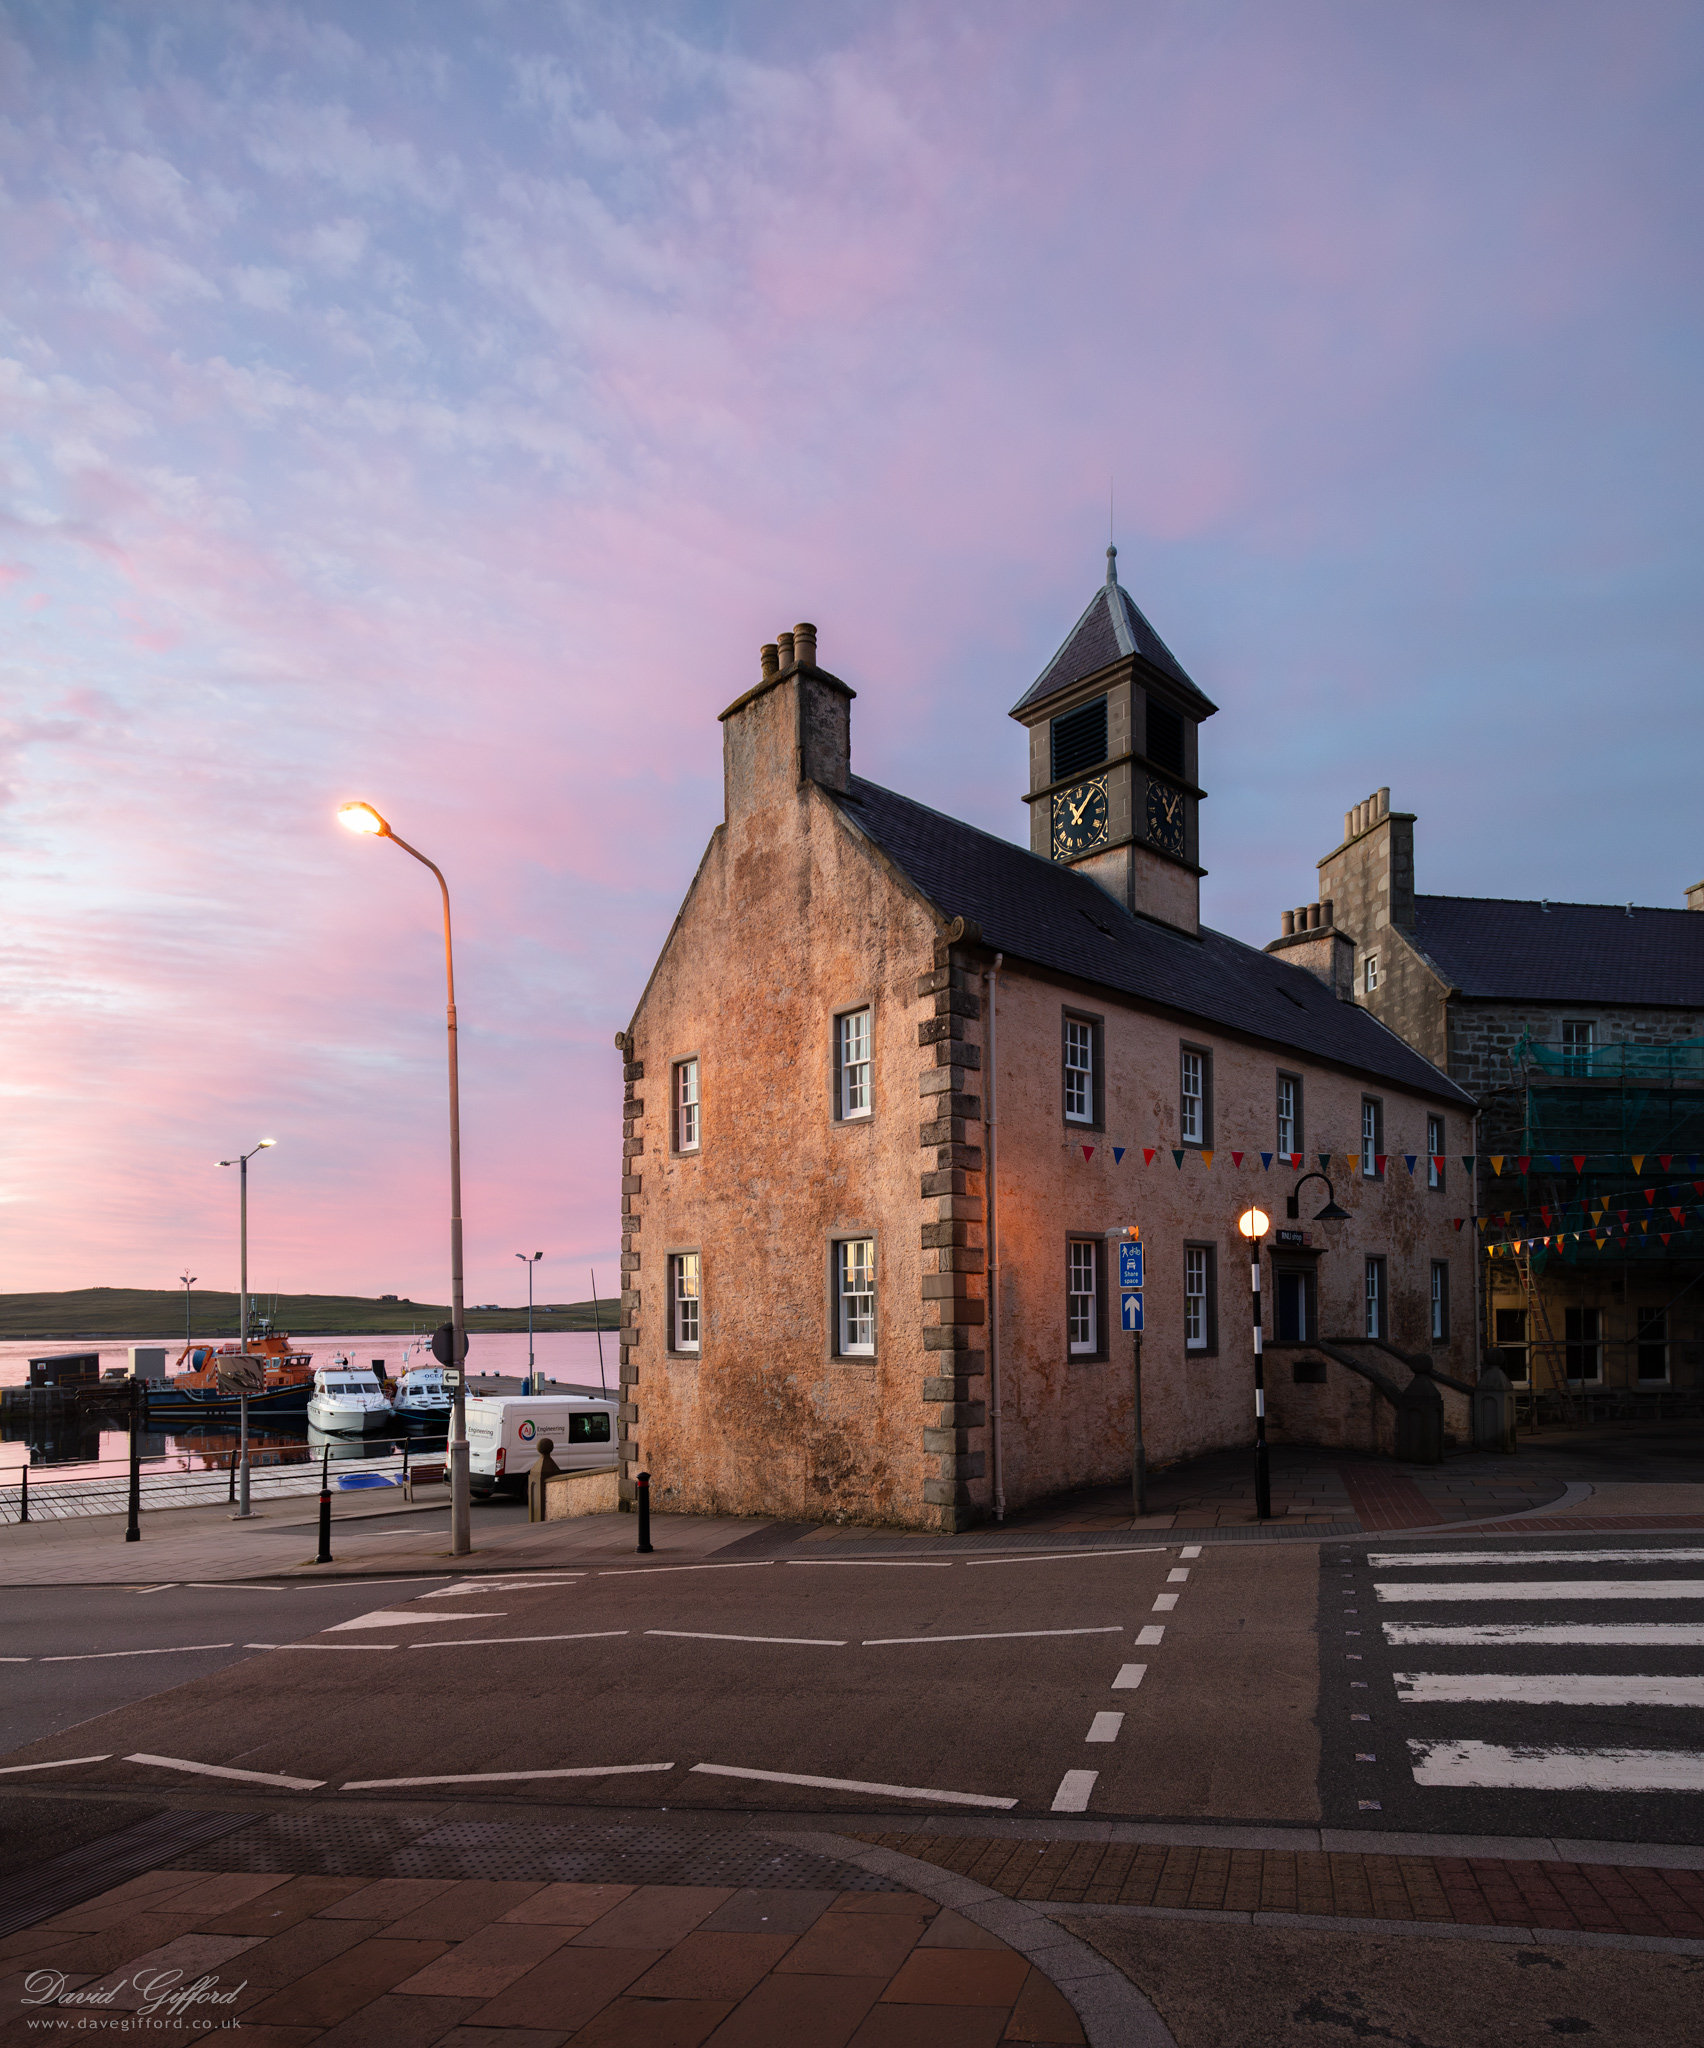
x: 804, y: 645
x: 1325, y: 912
x: 1384, y: 802
x: 1695, y: 896
x: 1313, y: 917
x: 784, y: 646
x: 1289, y: 924
x: 1348, y: 825
x: 770, y: 658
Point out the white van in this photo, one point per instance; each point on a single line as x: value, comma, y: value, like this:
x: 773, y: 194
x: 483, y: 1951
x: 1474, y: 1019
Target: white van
x: 505, y: 1430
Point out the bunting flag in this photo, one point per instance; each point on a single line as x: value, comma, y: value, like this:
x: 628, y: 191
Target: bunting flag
x: 1236, y: 1159
x: 1579, y: 1162
x: 1379, y: 1159
x: 1663, y: 1160
x: 1521, y: 1166
x: 1459, y: 1221
x: 1207, y: 1159
x: 1467, y: 1159
x: 1497, y: 1163
x: 1118, y: 1155
x: 1088, y: 1151
x: 1638, y: 1159
x: 1408, y: 1160
x: 1650, y: 1194
x: 1148, y: 1155
x: 1325, y: 1162
x: 1178, y: 1156
x: 1266, y: 1159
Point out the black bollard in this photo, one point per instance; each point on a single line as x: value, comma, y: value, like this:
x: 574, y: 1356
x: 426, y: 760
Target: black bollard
x: 133, y: 1532
x: 24, y: 1511
x: 325, y: 1509
x: 644, y: 1513
x: 231, y: 1495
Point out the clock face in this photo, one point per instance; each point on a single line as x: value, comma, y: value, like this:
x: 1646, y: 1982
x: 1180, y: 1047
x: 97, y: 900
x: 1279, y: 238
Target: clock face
x: 1079, y: 819
x: 1165, y: 818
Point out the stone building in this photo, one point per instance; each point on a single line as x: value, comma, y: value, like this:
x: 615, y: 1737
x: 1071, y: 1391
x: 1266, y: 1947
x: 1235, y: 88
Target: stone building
x: 896, y: 1087
x: 1578, y: 1028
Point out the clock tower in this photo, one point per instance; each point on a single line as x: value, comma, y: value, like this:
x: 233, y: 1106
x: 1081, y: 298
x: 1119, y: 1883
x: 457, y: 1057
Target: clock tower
x: 1112, y: 725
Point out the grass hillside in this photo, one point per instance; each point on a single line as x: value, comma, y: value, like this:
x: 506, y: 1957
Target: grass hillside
x: 157, y: 1312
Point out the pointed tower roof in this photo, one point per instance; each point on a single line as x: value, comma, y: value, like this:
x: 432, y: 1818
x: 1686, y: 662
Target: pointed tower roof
x: 1112, y: 627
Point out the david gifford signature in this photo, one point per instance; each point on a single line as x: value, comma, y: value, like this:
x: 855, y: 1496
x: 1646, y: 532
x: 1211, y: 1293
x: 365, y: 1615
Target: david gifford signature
x: 157, y: 1992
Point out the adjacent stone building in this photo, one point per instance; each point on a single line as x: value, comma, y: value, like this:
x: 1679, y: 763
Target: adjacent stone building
x: 896, y: 1087
x: 1578, y: 1028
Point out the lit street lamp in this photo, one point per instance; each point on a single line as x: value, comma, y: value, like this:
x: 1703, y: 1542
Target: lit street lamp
x: 1253, y: 1224
x: 364, y: 819
x: 241, y: 1163
x: 532, y: 1377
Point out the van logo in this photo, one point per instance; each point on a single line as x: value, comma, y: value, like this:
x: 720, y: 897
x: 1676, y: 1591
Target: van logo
x: 528, y: 1432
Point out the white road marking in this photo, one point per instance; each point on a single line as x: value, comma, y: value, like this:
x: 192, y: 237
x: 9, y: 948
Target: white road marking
x: 63, y: 1763
x: 1531, y: 1768
x: 17, y: 1660
x: 1432, y: 1559
x: 1010, y: 1635
x: 1163, y: 1603
x: 322, y: 1646
x: 1674, y: 1635
x: 1129, y: 1677
x: 1074, y: 1790
x: 1177, y: 1575
x: 750, y: 1564
x: 855, y: 1785
x: 1104, y: 1728
x: 169, y: 1650
x: 1558, y: 1689
x: 499, y: 1586
x: 1150, y: 1633
x: 692, y: 1635
x: 1190, y: 1550
x: 178, y: 1763
x: 166, y: 1588
x: 908, y: 1564
x: 305, y: 1585
x: 478, y: 1642
x: 1547, y: 1589
x: 1053, y: 1556
x: 389, y: 1617
x: 497, y: 1777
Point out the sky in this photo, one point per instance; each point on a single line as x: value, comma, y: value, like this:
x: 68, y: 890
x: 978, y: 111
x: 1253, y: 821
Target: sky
x: 439, y: 404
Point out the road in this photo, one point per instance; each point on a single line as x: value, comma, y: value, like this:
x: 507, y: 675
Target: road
x: 1169, y: 1682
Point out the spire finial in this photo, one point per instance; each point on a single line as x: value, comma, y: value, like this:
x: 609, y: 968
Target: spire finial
x: 1112, y: 566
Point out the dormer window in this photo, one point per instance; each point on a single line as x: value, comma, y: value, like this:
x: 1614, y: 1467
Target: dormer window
x: 1079, y: 740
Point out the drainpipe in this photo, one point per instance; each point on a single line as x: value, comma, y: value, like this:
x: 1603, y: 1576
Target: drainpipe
x: 991, y: 984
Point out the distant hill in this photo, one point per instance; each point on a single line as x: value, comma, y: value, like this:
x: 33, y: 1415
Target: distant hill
x: 158, y: 1312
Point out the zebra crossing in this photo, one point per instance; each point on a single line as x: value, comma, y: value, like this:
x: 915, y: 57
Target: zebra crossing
x: 1542, y: 1689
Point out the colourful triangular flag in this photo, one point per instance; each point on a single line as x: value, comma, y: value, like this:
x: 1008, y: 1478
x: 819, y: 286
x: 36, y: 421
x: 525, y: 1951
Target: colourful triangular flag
x: 1118, y: 1152
x: 1664, y: 1159
x: 1148, y: 1152
x: 1206, y: 1159
x: 1579, y: 1162
x: 1522, y: 1165
x: 1266, y: 1159
x: 1325, y: 1162
x: 1460, y: 1220
x: 1410, y: 1159
x: 1236, y: 1159
x: 1178, y: 1156
x: 1638, y: 1159
x: 1088, y: 1151
x: 1497, y: 1163
x: 1467, y: 1159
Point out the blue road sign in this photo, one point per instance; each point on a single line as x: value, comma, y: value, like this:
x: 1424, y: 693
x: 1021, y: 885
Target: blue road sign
x: 1132, y: 1311
x: 1129, y: 1264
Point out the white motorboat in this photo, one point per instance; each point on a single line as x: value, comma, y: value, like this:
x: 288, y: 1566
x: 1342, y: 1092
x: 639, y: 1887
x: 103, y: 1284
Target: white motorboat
x: 421, y: 1395
x: 345, y: 1400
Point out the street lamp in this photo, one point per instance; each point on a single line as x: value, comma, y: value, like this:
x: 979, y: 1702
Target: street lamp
x: 532, y: 1380
x: 189, y: 1280
x: 241, y: 1162
x: 1253, y: 1224
x: 364, y: 819
x: 1329, y: 1214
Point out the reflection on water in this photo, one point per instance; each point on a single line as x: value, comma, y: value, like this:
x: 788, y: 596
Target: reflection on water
x: 80, y: 1443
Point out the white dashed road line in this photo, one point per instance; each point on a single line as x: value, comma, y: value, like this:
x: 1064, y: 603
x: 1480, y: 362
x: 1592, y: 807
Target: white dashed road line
x: 1104, y: 1728
x: 1074, y: 1790
x: 96, y: 1656
x: 179, y: 1763
x: 62, y: 1763
x: 1150, y: 1633
x: 1012, y: 1635
x: 1164, y: 1603
x: 693, y: 1635
x: 480, y: 1642
x: 1129, y: 1677
x: 504, y: 1777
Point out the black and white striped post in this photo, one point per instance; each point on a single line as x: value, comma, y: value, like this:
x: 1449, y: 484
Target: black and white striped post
x: 1253, y: 1223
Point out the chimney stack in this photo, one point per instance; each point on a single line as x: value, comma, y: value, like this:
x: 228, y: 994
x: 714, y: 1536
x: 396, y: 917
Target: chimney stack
x: 1695, y: 896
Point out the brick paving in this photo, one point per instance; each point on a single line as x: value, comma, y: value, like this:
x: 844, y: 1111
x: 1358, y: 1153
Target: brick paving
x: 414, y: 1961
x: 1464, y: 1890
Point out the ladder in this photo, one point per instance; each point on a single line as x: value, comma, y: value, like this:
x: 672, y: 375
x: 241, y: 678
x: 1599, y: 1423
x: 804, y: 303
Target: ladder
x: 1538, y: 1320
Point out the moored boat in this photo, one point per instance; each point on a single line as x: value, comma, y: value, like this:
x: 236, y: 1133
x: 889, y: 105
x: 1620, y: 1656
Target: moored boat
x: 345, y: 1399
x: 289, y: 1378
x: 421, y: 1395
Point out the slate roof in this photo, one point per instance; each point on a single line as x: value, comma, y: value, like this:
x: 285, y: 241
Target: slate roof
x: 1032, y: 909
x: 1110, y: 628
x: 1499, y: 949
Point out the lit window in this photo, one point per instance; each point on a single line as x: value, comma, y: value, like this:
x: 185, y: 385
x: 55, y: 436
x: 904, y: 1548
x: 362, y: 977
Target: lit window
x: 683, y: 1300
x: 1434, y: 1151
x: 1082, y: 1301
x: 1372, y: 972
x: 686, y: 1106
x: 1374, y: 1326
x: 1195, y: 1297
x: 855, y: 1284
x: 1079, y: 1072
x: 1192, y: 1120
x: 854, y: 1060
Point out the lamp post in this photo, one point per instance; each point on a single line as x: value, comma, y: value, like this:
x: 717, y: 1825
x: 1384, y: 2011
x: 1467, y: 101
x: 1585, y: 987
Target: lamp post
x: 189, y: 1280
x: 1253, y: 1224
x: 532, y: 1377
x: 364, y: 819
x: 241, y: 1163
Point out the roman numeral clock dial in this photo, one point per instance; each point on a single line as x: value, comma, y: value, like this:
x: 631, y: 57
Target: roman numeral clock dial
x: 1165, y: 818
x: 1079, y: 819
